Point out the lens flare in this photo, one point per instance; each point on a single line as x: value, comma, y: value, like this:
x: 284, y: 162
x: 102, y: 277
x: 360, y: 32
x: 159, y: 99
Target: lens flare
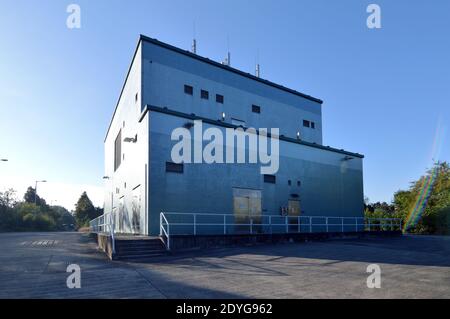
x: 427, y: 183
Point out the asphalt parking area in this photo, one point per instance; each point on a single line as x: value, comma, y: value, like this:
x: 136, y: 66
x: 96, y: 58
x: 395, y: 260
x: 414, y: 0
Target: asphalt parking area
x: 33, y: 265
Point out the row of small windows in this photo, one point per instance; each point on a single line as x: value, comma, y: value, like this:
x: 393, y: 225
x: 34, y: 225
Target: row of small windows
x: 188, y: 89
x: 179, y: 168
x: 272, y: 179
x: 203, y: 94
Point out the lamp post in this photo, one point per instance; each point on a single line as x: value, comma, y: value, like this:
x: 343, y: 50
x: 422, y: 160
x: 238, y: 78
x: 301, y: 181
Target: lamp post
x: 35, y: 189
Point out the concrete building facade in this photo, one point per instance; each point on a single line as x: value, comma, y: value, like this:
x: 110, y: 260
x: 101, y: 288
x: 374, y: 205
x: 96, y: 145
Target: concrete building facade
x: 168, y: 88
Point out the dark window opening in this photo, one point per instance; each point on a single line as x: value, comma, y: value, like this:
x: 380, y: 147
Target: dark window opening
x: 313, y: 125
x: 204, y: 95
x: 306, y: 123
x: 289, y: 182
x: 256, y: 109
x: 118, y: 150
x: 298, y: 183
x: 189, y: 90
x: 219, y: 98
x: 174, y: 167
x: 136, y: 97
x: 270, y: 179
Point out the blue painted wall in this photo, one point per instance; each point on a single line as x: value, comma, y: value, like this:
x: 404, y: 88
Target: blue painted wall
x: 329, y: 185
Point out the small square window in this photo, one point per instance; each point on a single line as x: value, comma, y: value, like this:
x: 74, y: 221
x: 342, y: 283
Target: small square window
x: 219, y: 98
x: 306, y: 123
x: 313, y: 125
x: 271, y: 179
x: 189, y: 90
x: 256, y: 109
x: 174, y: 167
x: 204, y: 94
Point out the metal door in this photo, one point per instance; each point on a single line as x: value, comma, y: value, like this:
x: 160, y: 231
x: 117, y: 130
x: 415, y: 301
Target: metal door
x: 247, y: 210
x: 293, y: 213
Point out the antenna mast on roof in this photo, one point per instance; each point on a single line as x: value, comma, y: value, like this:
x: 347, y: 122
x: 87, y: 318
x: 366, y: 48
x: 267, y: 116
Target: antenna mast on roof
x: 194, y: 43
x: 194, y: 46
x: 258, y: 67
x: 227, y: 60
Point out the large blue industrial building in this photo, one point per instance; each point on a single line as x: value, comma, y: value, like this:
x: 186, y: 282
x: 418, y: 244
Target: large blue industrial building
x: 166, y: 88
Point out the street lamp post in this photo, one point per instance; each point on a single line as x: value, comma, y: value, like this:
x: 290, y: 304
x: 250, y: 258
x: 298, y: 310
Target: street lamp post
x: 35, y: 189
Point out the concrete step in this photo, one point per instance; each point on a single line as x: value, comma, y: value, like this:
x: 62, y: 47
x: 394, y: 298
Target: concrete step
x: 138, y: 242
x: 139, y: 252
x: 132, y: 248
x: 142, y: 246
x: 142, y: 256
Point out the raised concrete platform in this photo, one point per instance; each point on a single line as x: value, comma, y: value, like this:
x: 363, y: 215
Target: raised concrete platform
x: 185, y: 242
x: 144, y: 247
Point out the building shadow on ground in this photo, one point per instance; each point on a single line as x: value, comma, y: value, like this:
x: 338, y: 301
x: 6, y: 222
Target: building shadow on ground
x: 405, y: 250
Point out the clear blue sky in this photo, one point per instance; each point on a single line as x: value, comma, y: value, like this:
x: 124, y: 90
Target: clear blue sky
x: 384, y: 90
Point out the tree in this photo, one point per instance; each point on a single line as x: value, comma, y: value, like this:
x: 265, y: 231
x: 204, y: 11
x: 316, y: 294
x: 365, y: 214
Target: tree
x: 31, y: 197
x: 428, y: 199
x: 424, y: 207
x: 63, y: 218
x: 8, y: 217
x: 8, y: 198
x: 85, y: 211
x: 27, y: 216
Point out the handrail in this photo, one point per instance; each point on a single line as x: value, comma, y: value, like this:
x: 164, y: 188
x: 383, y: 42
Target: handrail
x: 104, y: 223
x: 163, y: 230
x: 367, y: 223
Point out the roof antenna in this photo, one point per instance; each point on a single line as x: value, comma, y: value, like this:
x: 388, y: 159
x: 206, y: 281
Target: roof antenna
x: 194, y: 43
x: 227, y: 60
x: 257, y: 68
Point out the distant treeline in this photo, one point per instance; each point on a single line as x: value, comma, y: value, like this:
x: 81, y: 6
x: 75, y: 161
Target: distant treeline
x: 34, y: 214
x: 425, y: 207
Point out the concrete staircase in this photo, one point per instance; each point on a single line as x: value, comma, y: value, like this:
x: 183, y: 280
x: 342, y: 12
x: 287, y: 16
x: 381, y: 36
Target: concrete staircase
x: 135, y: 248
